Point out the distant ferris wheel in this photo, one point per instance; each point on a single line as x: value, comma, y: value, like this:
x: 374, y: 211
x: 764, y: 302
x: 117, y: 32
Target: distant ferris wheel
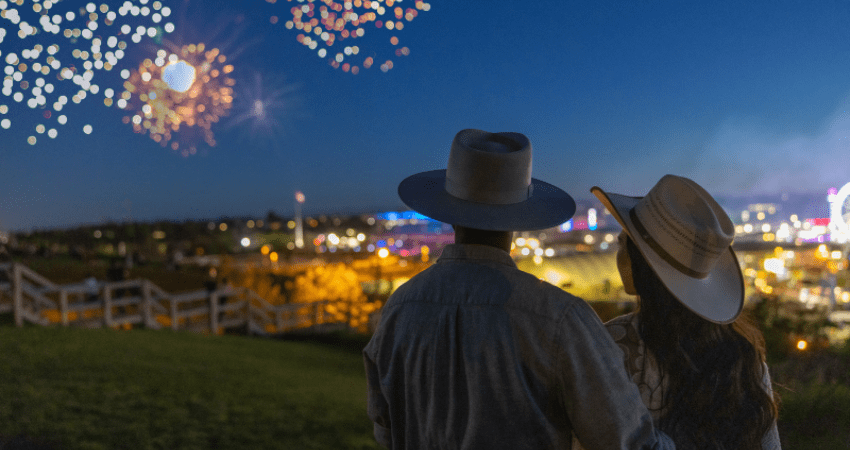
x: 839, y: 211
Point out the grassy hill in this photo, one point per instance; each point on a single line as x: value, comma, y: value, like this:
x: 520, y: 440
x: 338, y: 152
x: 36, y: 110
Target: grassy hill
x: 106, y: 389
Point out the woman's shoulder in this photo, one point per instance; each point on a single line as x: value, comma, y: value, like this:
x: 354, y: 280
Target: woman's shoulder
x: 624, y: 319
x: 640, y: 364
x: 622, y: 327
x: 624, y: 331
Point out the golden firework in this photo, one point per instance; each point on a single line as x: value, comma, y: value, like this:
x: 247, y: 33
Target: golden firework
x: 185, y: 91
x: 323, y: 22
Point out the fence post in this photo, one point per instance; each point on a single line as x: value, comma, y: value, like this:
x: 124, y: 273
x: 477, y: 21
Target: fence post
x: 107, y: 306
x: 317, y: 310
x: 63, y: 306
x: 173, y: 314
x: 146, y: 304
x: 18, y: 294
x: 214, y: 312
x: 278, y: 319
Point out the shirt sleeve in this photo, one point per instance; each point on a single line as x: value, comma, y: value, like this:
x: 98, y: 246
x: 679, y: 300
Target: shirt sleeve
x: 604, y: 406
x: 376, y: 406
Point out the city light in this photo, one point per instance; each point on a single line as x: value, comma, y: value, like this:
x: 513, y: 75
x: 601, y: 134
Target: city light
x: 784, y: 232
x: 774, y: 265
x: 770, y: 268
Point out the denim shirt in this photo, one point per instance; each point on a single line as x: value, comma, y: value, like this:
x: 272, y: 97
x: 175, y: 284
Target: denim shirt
x: 473, y: 353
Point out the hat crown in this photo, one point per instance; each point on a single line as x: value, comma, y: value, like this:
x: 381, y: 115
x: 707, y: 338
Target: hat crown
x: 685, y: 224
x: 491, y: 168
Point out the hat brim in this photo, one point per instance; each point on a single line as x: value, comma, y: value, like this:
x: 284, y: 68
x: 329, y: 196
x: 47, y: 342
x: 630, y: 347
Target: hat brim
x: 719, y: 297
x: 547, y: 207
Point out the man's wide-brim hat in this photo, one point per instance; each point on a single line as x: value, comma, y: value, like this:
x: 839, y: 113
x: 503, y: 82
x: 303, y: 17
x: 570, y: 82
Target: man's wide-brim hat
x: 686, y: 237
x: 488, y: 185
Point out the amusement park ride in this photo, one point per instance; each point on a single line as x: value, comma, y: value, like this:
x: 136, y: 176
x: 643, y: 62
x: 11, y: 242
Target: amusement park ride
x: 839, y: 214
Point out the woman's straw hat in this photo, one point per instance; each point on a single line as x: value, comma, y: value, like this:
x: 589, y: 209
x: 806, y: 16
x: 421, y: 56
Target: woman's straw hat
x: 686, y: 238
x: 487, y: 185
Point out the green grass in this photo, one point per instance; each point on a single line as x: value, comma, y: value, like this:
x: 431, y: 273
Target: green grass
x: 815, y: 416
x: 142, y: 389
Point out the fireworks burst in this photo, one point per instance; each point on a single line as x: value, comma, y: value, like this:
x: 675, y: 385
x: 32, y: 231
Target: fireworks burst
x: 348, y: 20
x: 186, y: 90
x: 263, y: 107
x: 86, y: 42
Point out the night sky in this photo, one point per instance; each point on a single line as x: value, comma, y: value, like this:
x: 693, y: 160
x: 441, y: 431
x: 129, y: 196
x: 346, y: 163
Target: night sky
x: 743, y: 97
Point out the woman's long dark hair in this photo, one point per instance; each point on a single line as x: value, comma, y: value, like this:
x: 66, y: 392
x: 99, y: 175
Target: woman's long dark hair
x: 715, y: 398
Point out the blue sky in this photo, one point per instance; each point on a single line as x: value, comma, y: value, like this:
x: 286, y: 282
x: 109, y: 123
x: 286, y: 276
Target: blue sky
x: 742, y: 97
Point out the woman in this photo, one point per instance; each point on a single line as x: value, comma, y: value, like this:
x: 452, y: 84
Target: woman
x: 700, y: 369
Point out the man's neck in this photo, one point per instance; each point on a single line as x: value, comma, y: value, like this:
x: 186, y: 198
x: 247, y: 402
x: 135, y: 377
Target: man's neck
x: 498, y: 239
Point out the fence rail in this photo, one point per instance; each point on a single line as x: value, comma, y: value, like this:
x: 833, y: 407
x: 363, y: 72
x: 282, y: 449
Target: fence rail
x: 32, y: 298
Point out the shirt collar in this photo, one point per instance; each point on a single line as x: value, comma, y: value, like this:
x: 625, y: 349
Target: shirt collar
x: 478, y: 252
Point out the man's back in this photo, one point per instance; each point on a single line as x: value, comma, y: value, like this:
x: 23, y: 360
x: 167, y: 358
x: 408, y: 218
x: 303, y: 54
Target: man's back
x: 473, y: 353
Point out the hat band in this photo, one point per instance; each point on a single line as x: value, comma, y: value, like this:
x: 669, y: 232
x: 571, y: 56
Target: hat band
x: 655, y: 246
x: 478, y: 195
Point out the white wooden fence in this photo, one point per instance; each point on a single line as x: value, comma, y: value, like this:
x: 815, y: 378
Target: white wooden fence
x: 31, y: 298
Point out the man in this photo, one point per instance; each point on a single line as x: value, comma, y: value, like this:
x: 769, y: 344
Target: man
x: 473, y: 353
